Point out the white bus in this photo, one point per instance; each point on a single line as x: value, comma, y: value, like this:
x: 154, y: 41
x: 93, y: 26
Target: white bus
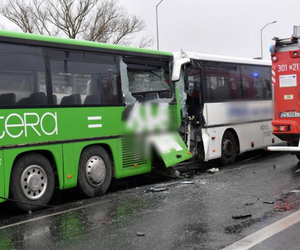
x: 226, y: 105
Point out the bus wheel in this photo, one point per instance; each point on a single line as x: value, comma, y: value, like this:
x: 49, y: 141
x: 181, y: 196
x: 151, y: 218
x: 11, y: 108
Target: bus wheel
x: 32, y: 182
x: 95, y: 171
x: 229, y: 149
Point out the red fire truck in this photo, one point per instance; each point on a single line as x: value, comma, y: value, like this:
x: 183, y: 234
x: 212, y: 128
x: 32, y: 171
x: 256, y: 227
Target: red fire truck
x: 286, y: 92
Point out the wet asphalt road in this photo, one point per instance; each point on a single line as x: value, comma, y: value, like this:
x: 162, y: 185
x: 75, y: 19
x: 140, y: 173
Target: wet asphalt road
x: 186, y: 216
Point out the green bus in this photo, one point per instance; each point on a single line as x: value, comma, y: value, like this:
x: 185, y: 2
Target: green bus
x: 70, y: 112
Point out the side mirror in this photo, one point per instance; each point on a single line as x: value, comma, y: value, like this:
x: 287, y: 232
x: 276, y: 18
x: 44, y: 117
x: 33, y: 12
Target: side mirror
x: 177, y: 65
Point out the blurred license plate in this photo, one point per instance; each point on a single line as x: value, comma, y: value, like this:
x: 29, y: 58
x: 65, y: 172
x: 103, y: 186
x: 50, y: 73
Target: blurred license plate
x: 289, y: 114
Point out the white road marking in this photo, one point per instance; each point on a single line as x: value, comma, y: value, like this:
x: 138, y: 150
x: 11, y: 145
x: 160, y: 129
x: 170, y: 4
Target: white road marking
x: 265, y: 233
x: 51, y: 215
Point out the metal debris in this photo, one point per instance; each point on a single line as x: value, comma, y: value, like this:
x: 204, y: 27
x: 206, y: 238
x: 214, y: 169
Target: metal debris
x: 242, y: 216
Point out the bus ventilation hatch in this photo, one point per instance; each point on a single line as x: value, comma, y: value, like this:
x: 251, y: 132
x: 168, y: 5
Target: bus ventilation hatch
x: 134, y: 153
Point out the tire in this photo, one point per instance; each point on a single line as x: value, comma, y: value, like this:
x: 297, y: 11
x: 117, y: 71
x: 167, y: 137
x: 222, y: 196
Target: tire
x: 228, y: 149
x: 32, y: 182
x: 298, y: 157
x: 95, y: 171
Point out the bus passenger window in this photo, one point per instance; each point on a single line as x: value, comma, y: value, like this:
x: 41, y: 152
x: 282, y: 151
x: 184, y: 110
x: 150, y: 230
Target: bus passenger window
x: 256, y: 83
x: 223, y: 82
x: 85, y: 82
x: 22, y: 76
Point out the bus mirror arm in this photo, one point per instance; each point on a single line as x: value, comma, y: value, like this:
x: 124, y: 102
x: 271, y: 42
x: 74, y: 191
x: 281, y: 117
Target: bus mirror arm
x: 177, y: 65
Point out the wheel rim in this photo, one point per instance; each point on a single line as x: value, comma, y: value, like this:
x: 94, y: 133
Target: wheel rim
x: 34, y: 182
x: 95, y: 170
x: 228, y: 148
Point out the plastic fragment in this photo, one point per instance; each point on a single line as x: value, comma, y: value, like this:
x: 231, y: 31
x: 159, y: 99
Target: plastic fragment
x: 140, y: 233
x: 295, y: 191
x: 242, y: 216
x: 212, y: 170
x: 155, y: 190
x: 187, y: 182
x: 268, y: 202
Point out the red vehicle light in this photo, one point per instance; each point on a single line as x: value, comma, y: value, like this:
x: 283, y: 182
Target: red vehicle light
x: 281, y: 128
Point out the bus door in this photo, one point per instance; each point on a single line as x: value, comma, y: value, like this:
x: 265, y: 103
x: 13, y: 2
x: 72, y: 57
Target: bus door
x: 194, y: 108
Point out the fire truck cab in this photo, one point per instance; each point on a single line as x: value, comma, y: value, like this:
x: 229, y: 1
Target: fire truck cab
x: 286, y: 91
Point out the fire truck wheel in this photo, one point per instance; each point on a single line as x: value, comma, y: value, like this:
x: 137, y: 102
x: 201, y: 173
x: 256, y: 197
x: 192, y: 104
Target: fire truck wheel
x: 229, y: 149
x: 32, y: 182
x: 95, y: 171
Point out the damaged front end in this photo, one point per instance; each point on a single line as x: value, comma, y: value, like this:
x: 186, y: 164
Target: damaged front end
x: 151, y: 114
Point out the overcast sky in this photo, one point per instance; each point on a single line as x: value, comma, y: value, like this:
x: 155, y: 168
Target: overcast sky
x: 224, y: 27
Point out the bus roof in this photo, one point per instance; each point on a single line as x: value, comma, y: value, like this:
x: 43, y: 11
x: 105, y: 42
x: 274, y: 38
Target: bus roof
x: 217, y: 58
x: 75, y: 42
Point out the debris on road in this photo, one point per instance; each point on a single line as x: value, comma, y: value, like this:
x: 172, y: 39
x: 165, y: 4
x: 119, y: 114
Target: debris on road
x: 155, y: 190
x: 274, y: 166
x: 242, y: 216
x: 140, y: 233
x: 295, y: 191
x: 249, y: 203
x: 187, y: 182
x: 268, y: 202
x: 212, y: 170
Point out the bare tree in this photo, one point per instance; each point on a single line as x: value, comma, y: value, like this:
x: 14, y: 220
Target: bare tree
x: 93, y: 20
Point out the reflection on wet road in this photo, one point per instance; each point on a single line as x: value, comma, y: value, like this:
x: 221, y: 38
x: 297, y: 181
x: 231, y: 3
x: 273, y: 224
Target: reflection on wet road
x: 192, y: 215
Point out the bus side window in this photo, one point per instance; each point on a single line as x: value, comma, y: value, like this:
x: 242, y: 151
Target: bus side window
x: 22, y: 76
x: 256, y: 82
x: 92, y: 81
x: 222, y: 81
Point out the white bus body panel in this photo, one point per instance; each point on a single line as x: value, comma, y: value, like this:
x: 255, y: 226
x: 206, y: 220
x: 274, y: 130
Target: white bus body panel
x: 249, y: 121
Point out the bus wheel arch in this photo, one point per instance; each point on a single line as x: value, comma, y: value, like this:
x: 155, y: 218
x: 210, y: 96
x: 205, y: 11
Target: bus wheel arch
x: 32, y: 181
x: 95, y: 170
x: 230, y: 146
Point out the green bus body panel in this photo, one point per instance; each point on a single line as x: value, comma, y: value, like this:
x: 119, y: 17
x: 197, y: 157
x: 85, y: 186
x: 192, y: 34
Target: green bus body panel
x: 2, y: 179
x: 43, y: 38
x: 44, y: 125
x: 59, y: 131
x: 69, y: 165
x: 176, y: 156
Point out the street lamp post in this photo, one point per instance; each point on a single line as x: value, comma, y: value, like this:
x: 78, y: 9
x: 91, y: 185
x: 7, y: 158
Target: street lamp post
x: 261, y: 40
x: 157, y: 35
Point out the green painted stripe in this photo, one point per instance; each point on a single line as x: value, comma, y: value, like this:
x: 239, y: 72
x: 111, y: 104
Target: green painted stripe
x: 51, y: 39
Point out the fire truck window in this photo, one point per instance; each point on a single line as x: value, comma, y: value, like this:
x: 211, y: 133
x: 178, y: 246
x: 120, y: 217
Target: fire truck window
x: 223, y: 82
x: 256, y: 83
